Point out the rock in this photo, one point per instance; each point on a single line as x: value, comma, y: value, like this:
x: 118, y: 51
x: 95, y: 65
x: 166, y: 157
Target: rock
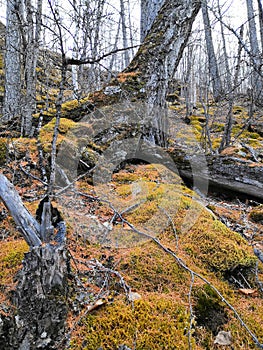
x: 112, y: 90
x: 223, y: 338
x: 123, y: 347
x: 134, y: 296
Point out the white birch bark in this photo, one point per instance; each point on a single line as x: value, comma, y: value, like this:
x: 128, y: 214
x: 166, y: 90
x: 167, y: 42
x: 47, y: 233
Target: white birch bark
x: 257, y: 80
x: 124, y: 33
x: 212, y: 62
x: 12, y: 97
x: 260, y: 18
x: 32, y: 35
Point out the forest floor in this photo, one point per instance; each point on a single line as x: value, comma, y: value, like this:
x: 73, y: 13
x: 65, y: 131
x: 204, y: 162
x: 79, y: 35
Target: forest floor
x: 139, y: 238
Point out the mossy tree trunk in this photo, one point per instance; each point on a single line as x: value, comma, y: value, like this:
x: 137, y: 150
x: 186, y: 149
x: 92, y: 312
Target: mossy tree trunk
x: 149, y: 10
x: 159, y: 56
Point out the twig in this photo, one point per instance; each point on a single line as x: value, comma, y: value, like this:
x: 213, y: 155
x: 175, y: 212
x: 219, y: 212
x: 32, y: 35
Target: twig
x: 251, y: 150
x: 193, y: 273
x: 31, y: 175
x: 191, y: 310
x: 173, y: 226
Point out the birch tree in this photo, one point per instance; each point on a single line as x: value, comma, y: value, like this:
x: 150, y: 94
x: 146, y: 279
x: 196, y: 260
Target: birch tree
x: 257, y: 81
x: 22, y: 45
x: 12, y: 97
x: 31, y: 38
x: 260, y: 18
x: 124, y: 33
x: 212, y: 62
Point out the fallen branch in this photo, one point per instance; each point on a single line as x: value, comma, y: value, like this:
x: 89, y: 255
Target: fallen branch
x: 26, y: 223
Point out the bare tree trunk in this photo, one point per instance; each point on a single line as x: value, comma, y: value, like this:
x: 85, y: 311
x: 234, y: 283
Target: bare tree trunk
x: 213, y: 67
x: 12, y: 97
x: 124, y: 33
x: 113, y: 57
x: 75, y: 54
x: 32, y: 35
x: 260, y: 18
x: 225, y: 142
x: 29, y: 227
x: 226, y: 139
x: 257, y: 80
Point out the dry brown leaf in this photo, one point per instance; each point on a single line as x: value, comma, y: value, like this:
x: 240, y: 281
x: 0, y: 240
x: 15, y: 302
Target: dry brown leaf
x: 247, y: 291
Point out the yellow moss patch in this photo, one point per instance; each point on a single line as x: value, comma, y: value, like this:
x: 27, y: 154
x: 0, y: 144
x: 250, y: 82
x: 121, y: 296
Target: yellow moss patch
x: 251, y: 309
x: 11, y: 255
x: 156, y: 322
x: 150, y: 269
x: 3, y: 150
x: 218, y: 249
x: 46, y: 133
x: 257, y: 214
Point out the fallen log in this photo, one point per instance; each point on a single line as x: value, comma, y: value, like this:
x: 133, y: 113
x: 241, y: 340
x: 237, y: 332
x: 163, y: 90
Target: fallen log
x: 25, y: 222
x: 223, y: 173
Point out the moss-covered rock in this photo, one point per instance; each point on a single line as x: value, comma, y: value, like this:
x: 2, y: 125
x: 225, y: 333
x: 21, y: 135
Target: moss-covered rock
x: 47, y: 131
x: 256, y: 214
x: 219, y: 249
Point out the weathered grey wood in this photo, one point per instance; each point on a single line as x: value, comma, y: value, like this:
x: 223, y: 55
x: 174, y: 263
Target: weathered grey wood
x: 223, y: 173
x: 46, y: 228
x: 26, y: 223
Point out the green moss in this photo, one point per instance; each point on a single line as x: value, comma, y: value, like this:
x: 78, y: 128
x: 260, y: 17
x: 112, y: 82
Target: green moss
x: 155, y: 322
x: 11, y: 255
x: 3, y: 150
x: 238, y: 110
x: 218, y: 249
x: 218, y: 127
x: 46, y: 132
x: 209, y: 308
x: 150, y: 269
x: 216, y: 142
x: 257, y: 214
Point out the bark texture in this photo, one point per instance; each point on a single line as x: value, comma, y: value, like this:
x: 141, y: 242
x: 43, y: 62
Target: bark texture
x: 12, y: 98
x: 42, y: 283
x: 28, y: 226
x: 224, y: 174
x: 31, y: 35
x: 257, y: 81
x: 39, y: 299
x: 160, y: 54
x: 158, y: 58
x: 212, y: 62
x: 149, y: 10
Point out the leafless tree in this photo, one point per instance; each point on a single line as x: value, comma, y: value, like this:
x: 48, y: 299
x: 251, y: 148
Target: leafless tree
x: 213, y: 66
x: 12, y: 97
x: 257, y: 80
